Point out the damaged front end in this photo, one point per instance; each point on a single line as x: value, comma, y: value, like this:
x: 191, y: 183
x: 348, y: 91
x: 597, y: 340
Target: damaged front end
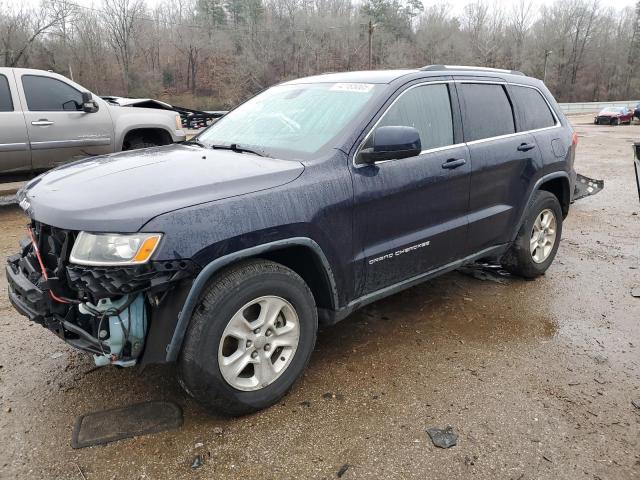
x: 102, y: 309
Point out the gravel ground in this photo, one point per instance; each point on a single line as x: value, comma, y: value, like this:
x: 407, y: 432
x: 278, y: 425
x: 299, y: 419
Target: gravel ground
x: 537, y: 377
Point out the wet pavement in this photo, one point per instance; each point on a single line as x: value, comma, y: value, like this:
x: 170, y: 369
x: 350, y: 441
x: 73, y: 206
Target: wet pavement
x: 536, y: 378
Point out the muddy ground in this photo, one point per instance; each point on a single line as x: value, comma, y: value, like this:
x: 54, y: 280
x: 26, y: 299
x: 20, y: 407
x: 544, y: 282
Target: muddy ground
x: 537, y: 378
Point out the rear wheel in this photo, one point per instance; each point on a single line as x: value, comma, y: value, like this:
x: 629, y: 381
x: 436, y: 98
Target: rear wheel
x: 538, y: 239
x: 249, y: 339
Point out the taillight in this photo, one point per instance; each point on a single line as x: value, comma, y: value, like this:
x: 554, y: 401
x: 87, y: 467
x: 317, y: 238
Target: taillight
x: 574, y: 140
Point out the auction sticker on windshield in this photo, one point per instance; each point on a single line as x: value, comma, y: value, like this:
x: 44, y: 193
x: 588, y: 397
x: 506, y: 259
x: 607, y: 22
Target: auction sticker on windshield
x: 353, y: 87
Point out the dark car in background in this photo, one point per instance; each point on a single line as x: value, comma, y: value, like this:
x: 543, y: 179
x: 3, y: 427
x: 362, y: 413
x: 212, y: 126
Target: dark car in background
x: 636, y: 111
x: 305, y: 203
x: 613, y: 116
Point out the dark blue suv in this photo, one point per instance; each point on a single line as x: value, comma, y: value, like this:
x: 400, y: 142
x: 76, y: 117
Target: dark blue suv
x: 310, y: 200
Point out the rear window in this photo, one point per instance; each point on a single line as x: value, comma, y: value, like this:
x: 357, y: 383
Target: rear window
x: 534, y: 111
x: 6, y: 104
x: 487, y: 111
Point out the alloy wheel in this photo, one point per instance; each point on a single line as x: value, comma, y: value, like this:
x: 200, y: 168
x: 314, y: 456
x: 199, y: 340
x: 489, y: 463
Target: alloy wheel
x: 543, y: 235
x: 259, y: 343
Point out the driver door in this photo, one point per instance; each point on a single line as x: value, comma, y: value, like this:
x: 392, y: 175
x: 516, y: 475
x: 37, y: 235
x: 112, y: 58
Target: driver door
x: 59, y: 131
x: 410, y: 214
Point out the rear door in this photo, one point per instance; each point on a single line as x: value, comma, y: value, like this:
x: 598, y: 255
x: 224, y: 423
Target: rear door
x: 59, y: 131
x: 503, y: 163
x: 536, y: 117
x: 14, y: 144
x: 410, y: 214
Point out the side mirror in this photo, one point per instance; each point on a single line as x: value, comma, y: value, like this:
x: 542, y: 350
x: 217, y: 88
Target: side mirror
x: 89, y: 105
x: 391, y: 143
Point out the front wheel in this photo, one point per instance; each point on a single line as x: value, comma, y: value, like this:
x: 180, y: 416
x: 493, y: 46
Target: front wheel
x: 249, y: 339
x: 538, y: 239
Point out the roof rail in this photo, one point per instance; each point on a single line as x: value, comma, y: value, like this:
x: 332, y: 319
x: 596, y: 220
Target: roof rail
x: 430, y: 68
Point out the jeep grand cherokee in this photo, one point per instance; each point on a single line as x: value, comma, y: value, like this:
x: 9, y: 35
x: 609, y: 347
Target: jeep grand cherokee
x: 310, y: 200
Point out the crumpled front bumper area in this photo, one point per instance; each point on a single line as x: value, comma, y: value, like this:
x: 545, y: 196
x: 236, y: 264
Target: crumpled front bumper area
x: 102, y: 310
x: 32, y: 299
x: 27, y: 298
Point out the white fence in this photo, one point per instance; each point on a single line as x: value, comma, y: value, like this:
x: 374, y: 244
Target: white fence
x: 594, y: 107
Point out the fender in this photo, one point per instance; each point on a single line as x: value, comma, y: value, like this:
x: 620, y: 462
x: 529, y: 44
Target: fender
x: 184, y: 317
x: 536, y: 187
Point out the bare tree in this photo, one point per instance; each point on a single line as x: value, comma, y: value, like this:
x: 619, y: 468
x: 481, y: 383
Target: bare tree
x: 121, y: 17
x: 215, y: 53
x: 21, y: 28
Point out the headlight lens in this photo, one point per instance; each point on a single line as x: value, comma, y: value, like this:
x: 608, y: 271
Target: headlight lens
x: 113, y: 248
x: 178, y: 122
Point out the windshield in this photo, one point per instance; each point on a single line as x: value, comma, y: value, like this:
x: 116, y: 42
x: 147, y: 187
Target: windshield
x: 300, y: 119
x: 612, y: 110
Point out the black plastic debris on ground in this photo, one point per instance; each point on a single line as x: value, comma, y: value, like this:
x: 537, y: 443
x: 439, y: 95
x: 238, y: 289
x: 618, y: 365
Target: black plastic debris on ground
x: 343, y: 470
x: 486, y: 272
x: 99, y: 428
x: 443, y: 438
x: 586, y: 187
x: 636, y: 403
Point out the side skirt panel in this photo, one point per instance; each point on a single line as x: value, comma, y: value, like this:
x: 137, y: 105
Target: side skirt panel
x: 330, y: 317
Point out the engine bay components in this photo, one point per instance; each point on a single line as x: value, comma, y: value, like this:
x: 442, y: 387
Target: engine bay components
x: 121, y: 329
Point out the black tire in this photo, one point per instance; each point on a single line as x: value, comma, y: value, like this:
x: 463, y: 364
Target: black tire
x: 199, y: 370
x: 518, y: 260
x: 138, y: 143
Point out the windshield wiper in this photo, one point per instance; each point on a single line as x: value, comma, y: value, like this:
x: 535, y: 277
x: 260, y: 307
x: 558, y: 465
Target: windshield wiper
x: 234, y: 147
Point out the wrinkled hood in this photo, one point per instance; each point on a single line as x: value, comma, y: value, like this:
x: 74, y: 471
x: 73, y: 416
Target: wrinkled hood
x: 121, y: 192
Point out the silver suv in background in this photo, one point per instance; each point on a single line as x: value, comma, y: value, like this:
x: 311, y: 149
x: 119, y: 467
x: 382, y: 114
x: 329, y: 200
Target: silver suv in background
x: 46, y: 120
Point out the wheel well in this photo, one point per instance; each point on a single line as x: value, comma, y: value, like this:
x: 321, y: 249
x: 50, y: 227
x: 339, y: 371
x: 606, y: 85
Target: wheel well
x: 157, y: 136
x: 305, y: 263
x: 560, y: 188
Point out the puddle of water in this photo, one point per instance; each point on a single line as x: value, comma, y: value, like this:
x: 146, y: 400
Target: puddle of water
x: 451, y: 307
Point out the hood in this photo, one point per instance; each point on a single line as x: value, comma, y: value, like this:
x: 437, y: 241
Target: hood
x: 609, y: 114
x: 121, y: 192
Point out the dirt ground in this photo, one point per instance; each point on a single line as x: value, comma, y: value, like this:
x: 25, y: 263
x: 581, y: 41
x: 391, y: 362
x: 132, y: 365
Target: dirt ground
x: 536, y: 377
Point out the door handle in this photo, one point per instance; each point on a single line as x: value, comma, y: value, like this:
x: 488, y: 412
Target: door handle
x: 525, y: 147
x: 43, y: 122
x: 454, y: 163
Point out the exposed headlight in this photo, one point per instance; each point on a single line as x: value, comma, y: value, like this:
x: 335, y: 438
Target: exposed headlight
x: 113, y: 248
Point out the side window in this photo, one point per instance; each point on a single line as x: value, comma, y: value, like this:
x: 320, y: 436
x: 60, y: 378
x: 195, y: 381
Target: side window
x: 6, y: 104
x: 46, y: 94
x: 533, y: 109
x: 487, y: 111
x: 427, y: 108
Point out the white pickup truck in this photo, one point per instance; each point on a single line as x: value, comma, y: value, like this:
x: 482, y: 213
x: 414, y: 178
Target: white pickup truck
x: 46, y: 120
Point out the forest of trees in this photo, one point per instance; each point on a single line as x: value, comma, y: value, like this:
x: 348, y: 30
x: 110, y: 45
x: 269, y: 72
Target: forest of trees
x: 215, y: 53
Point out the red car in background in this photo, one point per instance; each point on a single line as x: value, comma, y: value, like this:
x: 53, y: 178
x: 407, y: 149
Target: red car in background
x: 613, y: 116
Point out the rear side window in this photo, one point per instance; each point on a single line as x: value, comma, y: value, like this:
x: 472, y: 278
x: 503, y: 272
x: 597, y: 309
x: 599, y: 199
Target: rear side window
x: 6, y: 104
x: 46, y: 94
x: 487, y: 111
x: 533, y: 109
x: 427, y: 108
